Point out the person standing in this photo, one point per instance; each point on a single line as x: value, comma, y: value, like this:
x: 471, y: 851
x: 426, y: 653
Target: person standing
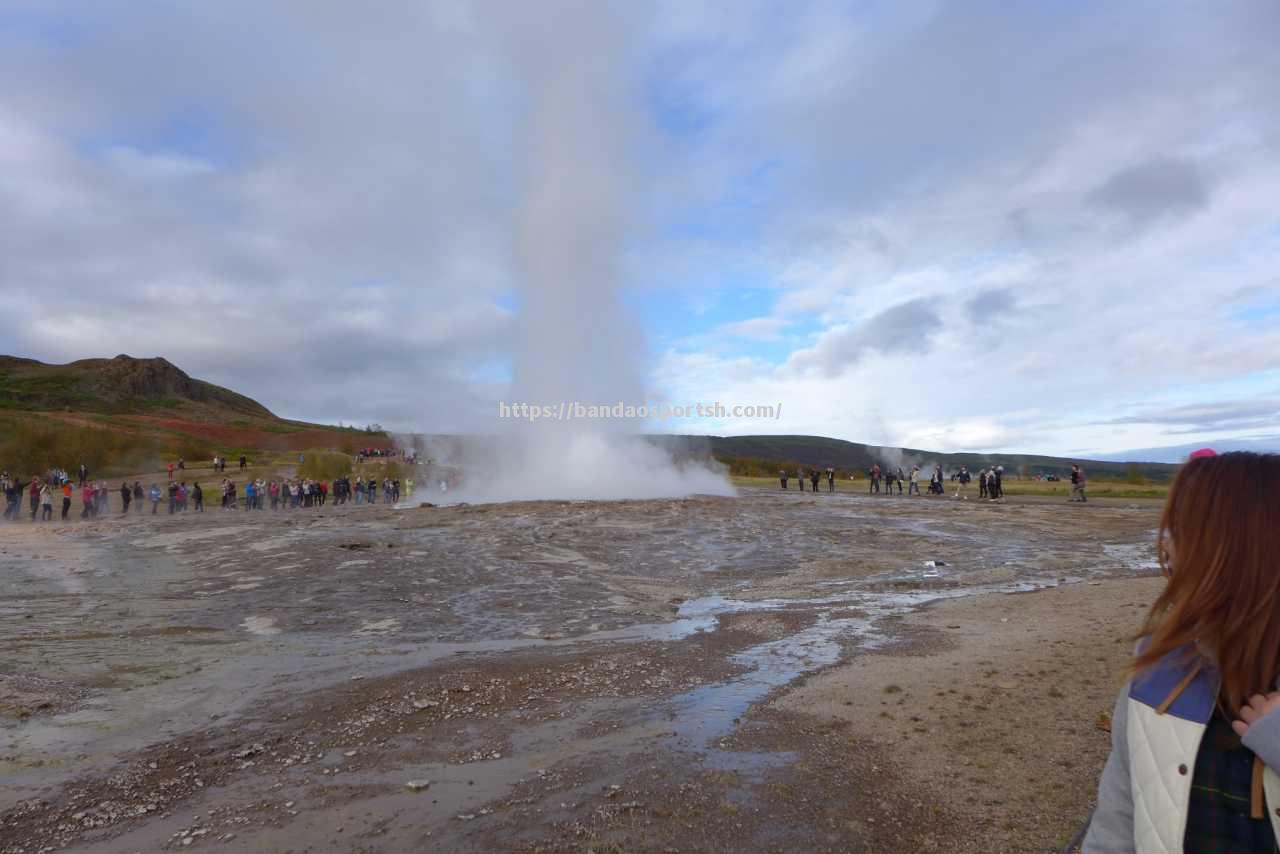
x: 139, y: 496
x: 1077, y: 484
x: 831, y: 479
x: 155, y: 495
x: 1195, y: 731
x: 782, y: 477
x: 197, y: 497
x: 34, y: 493
x: 170, y: 471
x: 66, y: 498
x: 243, y: 461
x: 86, y: 499
x: 13, y: 499
x: 126, y: 495
x: 962, y: 483
x: 84, y: 475
x: 914, y: 488
x: 46, y: 503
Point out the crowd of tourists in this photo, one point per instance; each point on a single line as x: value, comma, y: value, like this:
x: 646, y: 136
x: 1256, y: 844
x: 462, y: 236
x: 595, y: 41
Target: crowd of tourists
x: 884, y: 480
x: 43, y: 492
x: 305, y: 492
x: 382, y: 453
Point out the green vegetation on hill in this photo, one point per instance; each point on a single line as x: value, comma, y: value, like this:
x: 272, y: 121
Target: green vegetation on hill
x: 124, y: 415
x: 120, y: 385
x: 324, y: 465
x: 29, y: 448
x: 112, y: 414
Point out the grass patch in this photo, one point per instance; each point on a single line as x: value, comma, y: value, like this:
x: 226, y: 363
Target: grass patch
x: 149, y: 403
x: 28, y: 448
x: 324, y: 465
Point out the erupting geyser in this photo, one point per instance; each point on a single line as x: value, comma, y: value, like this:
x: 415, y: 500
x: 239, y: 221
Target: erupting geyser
x: 576, y: 343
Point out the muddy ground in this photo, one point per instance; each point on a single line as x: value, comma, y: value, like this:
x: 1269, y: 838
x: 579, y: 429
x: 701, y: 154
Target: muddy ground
x: 771, y: 672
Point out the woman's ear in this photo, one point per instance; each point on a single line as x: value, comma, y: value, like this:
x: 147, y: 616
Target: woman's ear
x: 1166, y: 555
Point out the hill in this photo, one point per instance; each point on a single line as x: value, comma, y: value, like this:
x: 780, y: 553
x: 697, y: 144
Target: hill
x: 120, y: 385
x: 766, y: 454
x: 109, y: 410
x: 125, y: 413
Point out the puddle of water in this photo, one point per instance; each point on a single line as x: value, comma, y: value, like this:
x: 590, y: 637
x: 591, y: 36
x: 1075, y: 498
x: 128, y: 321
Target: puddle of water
x: 379, y: 627
x: 708, y: 713
x: 1139, y: 557
x: 260, y: 625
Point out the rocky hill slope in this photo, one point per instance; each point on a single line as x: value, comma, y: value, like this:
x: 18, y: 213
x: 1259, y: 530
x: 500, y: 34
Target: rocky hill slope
x: 120, y: 385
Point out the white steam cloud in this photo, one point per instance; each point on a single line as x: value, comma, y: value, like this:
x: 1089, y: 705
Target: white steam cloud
x: 576, y: 343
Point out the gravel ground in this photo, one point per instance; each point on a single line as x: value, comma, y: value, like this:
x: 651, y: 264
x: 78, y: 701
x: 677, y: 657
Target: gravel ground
x: 766, y: 672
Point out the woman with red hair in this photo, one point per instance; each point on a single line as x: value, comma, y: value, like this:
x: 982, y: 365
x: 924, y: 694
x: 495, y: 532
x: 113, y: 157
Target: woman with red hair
x: 1196, y: 732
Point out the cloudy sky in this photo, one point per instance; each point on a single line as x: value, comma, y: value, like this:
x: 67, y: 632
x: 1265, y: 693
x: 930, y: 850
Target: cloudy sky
x: 1037, y: 226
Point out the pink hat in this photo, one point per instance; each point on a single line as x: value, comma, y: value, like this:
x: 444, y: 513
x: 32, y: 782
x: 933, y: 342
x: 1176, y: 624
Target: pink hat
x: 1202, y: 453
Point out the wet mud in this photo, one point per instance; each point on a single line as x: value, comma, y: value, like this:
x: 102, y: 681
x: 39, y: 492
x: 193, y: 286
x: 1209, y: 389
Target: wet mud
x: 538, y: 676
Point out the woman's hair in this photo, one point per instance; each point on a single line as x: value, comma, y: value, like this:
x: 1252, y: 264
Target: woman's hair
x: 1219, y: 545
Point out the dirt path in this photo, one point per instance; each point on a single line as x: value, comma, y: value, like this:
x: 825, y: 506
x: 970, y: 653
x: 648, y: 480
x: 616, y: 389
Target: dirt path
x: 996, y: 707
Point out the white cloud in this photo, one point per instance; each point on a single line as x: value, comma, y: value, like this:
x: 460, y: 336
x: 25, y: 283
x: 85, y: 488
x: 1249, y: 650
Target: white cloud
x: 756, y: 328
x: 142, y: 166
x: 1074, y: 214
x: 965, y: 435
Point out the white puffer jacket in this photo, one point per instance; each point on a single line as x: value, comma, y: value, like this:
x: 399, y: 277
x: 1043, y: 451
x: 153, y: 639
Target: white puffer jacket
x: 1145, y: 790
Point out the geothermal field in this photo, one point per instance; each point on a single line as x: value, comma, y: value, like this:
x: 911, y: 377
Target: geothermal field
x: 768, y: 671
x: 583, y: 277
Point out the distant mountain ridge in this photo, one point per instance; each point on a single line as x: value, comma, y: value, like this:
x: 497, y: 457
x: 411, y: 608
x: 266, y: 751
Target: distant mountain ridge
x: 821, y: 452
x: 121, y: 384
x: 155, y: 394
